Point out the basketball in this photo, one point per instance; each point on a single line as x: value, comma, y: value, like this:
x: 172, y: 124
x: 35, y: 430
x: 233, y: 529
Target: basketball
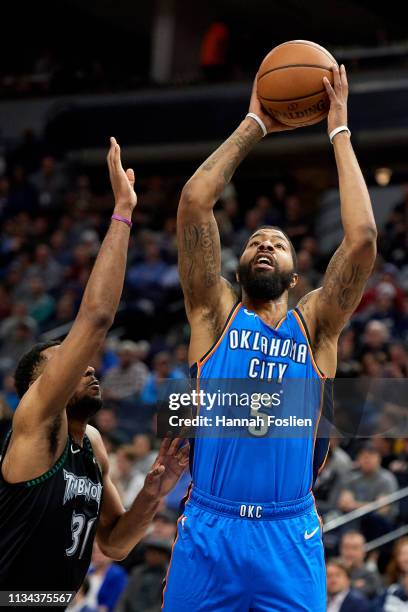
x: 290, y: 82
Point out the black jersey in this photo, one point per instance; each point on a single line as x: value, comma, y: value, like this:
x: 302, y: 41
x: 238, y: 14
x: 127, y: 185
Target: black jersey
x: 48, y: 524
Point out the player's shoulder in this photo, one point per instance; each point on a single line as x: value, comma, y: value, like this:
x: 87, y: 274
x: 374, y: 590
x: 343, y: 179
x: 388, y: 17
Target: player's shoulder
x: 309, y: 299
x: 98, y: 447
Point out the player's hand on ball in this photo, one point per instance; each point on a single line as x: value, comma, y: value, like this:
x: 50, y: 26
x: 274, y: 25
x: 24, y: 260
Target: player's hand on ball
x: 122, y: 182
x: 338, y: 95
x: 170, y: 463
x: 271, y: 124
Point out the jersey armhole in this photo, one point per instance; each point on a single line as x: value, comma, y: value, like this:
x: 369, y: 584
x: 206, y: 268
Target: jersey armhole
x: 194, y: 367
x: 34, y: 481
x: 309, y: 340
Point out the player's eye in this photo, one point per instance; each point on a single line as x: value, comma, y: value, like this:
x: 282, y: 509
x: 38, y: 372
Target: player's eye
x: 280, y: 246
x: 254, y: 243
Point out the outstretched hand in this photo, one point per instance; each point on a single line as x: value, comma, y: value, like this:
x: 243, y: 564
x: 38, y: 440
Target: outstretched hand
x: 122, y: 182
x: 255, y: 106
x: 170, y: 463
x: 338, y: 95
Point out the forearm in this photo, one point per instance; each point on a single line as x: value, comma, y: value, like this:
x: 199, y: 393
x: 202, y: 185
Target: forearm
x: 209, y: 181
x: 131, y: 527
x: 105, y: 284
x: 356, y: 210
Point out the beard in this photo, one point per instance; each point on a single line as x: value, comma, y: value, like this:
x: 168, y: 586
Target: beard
x: 84, y: 408
x: 264, y: 284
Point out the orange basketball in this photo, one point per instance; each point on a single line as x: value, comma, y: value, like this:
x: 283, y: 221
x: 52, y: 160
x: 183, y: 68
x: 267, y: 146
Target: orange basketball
x: 290, y: 82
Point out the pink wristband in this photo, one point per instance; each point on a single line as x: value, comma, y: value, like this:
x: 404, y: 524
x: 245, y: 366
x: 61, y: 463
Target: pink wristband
x: 123, y: 219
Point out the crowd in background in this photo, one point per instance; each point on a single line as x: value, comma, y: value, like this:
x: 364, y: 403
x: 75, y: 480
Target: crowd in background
x: 52, y: 221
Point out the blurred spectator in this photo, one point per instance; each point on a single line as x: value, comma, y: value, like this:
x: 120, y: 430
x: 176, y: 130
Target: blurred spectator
x: 369, y: 482
x: 348, y: 365
x: 180, y: 361
x: 41, y: 304
x: 214, y: 52
x: 384, y: 308
x: 145, y: 278
x: 376, y: 341
x: 15, y: 345
x: 128, y: 377
x: 165, y: 524
x: 143, y: 592
x: 49, y: 183
x: 106, y: 421
x: 65, y: 311
x: 398, y: 366
x: 363, y: 575
x: 338, y: 466
x: 18, y: 316
x: 144, y: 455
x: 45, y: 267
x: 395, y: 597
x: 385, y: 447
x: 341, y: 597
x: 79, y: 604
x: 106, y: 581
x: 127, y: 478
x: 296, y: 225
x: 161, y: 372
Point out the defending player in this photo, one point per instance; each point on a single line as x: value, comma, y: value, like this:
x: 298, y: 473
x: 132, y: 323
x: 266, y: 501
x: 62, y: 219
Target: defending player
x: 250, y: 537
x: 55, y: 488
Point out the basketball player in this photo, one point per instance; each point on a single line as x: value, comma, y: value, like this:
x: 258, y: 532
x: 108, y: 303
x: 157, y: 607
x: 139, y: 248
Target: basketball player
x: 250, y: 537
x: 55, y: 488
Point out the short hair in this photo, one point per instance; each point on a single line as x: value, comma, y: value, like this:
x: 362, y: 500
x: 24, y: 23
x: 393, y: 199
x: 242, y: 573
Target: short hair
x: 275, y: 227
x: 29, y: 362
x: 353, y: 532
x: 340, y: 564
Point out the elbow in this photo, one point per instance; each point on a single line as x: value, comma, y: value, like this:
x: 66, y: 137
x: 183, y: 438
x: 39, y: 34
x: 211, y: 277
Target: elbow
x: 364, y: 239
x: 114, y: 552
x: 197, y: 192
x: 97, y: 317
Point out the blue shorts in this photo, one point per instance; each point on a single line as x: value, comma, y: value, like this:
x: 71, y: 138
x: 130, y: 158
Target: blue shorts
x: 242, y: 557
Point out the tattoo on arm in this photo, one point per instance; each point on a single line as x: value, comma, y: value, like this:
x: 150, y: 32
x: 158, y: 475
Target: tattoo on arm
x: 199, y: 262
x: 344, y: 281
x: 230, y: 154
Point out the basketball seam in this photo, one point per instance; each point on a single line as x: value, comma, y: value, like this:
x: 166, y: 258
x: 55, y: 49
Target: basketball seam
x: 308, y: 44
x: 294, y: 66
x: 292, y: 99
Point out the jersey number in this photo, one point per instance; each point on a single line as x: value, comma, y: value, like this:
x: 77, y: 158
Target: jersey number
x: 78, y: 522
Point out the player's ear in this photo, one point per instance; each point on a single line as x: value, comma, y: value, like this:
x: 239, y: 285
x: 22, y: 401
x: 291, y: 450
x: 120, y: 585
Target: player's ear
x: 294, y: 281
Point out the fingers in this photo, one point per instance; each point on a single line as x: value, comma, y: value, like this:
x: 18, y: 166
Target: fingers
x: 183, y: 452
x: 156, y: 472
x: 164, y: 447
x: 110, y: 153
x: 329, y: 88
x: 131, y: 176
x: 113, y: 158
x: 343, y: 76
x: 336, y: 79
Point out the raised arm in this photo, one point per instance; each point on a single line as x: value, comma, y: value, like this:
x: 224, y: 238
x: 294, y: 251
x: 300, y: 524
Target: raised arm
x: 48, y: 396
x: 208, y: 297
x: 327, y: 309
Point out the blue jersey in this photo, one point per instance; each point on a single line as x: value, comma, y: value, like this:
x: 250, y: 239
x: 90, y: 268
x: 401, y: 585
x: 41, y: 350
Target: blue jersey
x: 271, y: 468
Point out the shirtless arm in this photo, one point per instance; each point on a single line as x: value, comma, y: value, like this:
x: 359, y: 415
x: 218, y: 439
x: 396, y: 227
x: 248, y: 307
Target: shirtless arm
x: 327, y: 309
x: 208, y: 297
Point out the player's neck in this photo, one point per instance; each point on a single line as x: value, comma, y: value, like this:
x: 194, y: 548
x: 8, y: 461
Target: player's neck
x: 270, y: 311
x: 76, y: 430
